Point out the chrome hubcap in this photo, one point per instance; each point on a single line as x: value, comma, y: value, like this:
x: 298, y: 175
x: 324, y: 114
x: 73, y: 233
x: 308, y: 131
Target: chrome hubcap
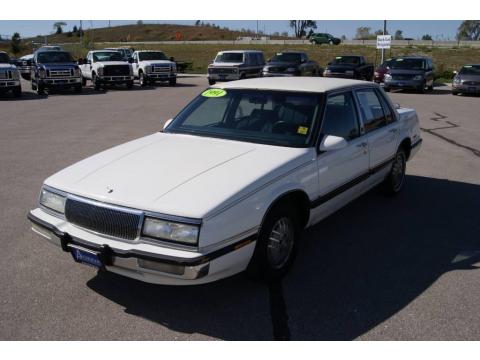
x: 280, y: 243
x: 398, y: 171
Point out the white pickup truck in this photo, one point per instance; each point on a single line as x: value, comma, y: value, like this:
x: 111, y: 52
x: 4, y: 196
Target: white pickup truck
x: 106, y: 67
x: 150, y: 66
x: 244, y: 168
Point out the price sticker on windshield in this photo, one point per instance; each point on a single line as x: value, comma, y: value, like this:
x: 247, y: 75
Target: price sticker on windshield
x: 302, y: 130
x: 213, y: 93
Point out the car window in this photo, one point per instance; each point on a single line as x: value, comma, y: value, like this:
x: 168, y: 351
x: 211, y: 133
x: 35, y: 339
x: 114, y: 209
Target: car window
x: 341, y: 117
x: 371, y: 109
x: 387, y: 110
x: 209, y: 113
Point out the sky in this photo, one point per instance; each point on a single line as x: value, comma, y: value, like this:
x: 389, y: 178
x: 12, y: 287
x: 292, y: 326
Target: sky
x: 439, y: 29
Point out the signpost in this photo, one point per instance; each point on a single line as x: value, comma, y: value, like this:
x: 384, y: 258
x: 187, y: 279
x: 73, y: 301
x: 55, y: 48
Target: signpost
x: 384, y: 42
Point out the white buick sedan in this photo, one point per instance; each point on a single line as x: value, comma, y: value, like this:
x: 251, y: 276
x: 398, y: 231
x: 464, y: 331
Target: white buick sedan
x: 230, y: 182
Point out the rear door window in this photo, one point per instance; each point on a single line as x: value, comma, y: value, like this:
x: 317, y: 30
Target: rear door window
x: 371, y: 109
x: 341, y: 117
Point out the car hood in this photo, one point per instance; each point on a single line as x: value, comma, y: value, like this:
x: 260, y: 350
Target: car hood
x: 406, y: 72
x: 225, y: 64
x: 282, y: 64
x: 106, y: 63
x: 156, y: 62
x: 469, y: 77
x: 176, y: 174
x: 59, y: 65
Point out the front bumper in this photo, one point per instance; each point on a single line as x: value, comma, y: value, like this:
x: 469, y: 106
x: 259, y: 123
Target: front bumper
x: 60, y: 83
x: 404, y: 84
x: 7, y: 84
x: 223, y: 77
x: 147, y: 262
x: 115, y: 79
x: 161, y: 76
x: 466, y: 89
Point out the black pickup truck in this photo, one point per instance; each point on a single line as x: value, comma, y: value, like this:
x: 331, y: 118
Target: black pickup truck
x: 351, y: 67
x: 291, y: 63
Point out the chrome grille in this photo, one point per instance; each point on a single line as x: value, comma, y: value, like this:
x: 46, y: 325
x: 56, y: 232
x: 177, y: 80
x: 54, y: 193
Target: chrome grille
x: 471, y: 82
x: 217, y: 70
x: 161, y: 69
x: 5, y: 74
x: 103, y: 219
x: 116, y: 70
x: 402, y: 77
x: 60, y: 73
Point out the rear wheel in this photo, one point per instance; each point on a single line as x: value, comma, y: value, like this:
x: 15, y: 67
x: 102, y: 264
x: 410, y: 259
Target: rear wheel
x: 211, y: 82
x: 276, y: 246
x: 393, y: 184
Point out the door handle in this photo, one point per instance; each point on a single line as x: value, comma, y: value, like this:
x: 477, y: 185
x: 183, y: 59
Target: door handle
x: 362, y: 145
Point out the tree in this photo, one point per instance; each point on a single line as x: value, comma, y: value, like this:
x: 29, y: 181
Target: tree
x: 15, y: 43
x: 139, y: 22
x: 284, y: 33
x: 398, y: 35
x: 343, y: 38
x: 363, y: 33
x: 469, y: 30
x: 197, y: 23
x: 75, y: 29
x: 427, y: 37
x: 300, y: 26
x: 58, y: 26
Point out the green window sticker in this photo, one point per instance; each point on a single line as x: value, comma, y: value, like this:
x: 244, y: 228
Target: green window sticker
x: 214, y: 93
x: 468, y: 66
x: 338, y: 57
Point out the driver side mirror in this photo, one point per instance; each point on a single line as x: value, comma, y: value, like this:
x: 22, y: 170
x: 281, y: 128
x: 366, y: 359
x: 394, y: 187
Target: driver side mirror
x: 166, y: 124
x: 80, y: 61
x: 130, y: 60
x: 332, y: 142
x: 172, y: 59
x: 89, y: 62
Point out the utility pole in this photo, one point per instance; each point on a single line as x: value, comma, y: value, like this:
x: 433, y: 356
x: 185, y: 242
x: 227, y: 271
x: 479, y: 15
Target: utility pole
x: 257, y: 28
x: 384, y: 33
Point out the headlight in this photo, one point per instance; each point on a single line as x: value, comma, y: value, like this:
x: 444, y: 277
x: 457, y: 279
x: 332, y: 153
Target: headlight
x: 148, y: 69
x: 174, y: 68
x: 42, y: 73
x: 418, y: 77
x: 15, y: 75
x: 52, y: 201
x: 100, y: 71
x: 77, y: 72
x: 457, y: 80
x: 131, y: 70
x: 171, y: 231
x: 387, y: 77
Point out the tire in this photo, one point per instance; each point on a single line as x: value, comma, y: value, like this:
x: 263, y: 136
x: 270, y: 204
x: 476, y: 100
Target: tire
x: 142, y: 80
x: 430, y: 88
x: 84, y: 81
x: 129, y: 85
x: 395, y: 180
x: 421, y: 90
x: 211, y: 82
x: 172, y: 81
x: 275, y: 252
x: 34, y: 86
x: 17, y: 92
x: 78, y: 89
x: 455, y: 92
x: 40, y: 90
x: 95, y: 82
x: 330, y: 42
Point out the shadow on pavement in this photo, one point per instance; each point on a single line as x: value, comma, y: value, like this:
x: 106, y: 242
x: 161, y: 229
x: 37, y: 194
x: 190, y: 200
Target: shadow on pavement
x: 354, y: 270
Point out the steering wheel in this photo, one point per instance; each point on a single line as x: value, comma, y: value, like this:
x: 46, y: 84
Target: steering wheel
x: 280, y: 127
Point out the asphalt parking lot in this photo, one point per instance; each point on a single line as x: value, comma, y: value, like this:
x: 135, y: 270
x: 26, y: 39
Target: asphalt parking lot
x: 380, y: 269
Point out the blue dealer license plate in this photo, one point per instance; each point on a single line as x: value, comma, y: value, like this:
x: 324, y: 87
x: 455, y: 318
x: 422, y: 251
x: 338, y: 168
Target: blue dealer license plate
x: 87, y: 257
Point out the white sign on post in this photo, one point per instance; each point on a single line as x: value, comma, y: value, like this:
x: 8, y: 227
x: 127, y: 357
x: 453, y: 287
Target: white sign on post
x: 384, y: 41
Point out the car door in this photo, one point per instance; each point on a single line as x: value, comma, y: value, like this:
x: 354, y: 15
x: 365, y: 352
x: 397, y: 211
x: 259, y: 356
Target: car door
x: 135, y: 64
x: 380, y: 125
x: 87, y: 67
x: 339, y: 170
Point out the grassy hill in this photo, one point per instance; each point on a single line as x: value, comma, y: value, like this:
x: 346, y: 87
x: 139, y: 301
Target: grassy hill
x: 147, y: 32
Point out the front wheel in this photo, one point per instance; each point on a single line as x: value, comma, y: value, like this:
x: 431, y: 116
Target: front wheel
x: 130, y: 85
x: 276, y: 246
x: 95, y: 82
x: 40, y: 89
x: 17, y: 92
x: 172, y: 81
x: 78, y: 89
x: 142, y: 79
x: 211, y: 82
x: 393, y: 184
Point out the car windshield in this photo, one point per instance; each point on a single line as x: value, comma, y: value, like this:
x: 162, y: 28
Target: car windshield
x: 260, y: 116
x: 346, y: 60
x: 4, y: 59
x: 229, y: 57
x: 54, y: 57
x: 470, y: 70
x: 152, y: 55
x: 107, y: 56
x: 406, y: 63
x: 286, y: 57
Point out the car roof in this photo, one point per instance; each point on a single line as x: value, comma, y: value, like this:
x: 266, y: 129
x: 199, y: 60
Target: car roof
x: 240, y: 51
x: 94, y: 51
x: 411, y: 57
x: 303, y: 84
x: 149, y: 51
x: 290, y: 52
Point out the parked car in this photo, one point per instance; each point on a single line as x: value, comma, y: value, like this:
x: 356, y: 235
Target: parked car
x: 150, y: 66
x: 53, y: 70
x: 324, y: 38
x: 25, y: 66
x: 410, y: 73
x: 350, y: 67
x: 9, y: 76
x: 235, y: 65
x: 106, y: 67
x: 245, y: 167
x: 291, y: 63
x: 126, y: 52
x: 467, y: 80
x: 49, y: 48
x: 380, y: 71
